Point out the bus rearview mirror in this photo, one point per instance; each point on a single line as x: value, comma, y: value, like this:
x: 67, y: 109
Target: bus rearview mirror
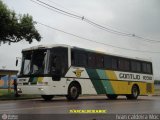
x: 16, y: 62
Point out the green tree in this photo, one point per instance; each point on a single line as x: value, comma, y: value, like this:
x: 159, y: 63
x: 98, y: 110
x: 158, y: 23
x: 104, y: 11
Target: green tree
x: 14, y: 28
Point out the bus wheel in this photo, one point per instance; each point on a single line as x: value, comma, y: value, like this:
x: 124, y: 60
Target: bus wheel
x: 134, y: 93
x: 112, y: 96
x: 73, y: 92
x: 47, y: 97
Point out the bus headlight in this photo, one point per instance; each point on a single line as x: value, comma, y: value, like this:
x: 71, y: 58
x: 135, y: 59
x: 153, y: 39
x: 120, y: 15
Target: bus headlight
x: 18, y: 89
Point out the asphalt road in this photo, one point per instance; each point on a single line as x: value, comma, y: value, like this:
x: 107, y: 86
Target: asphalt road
x: 59, y: 105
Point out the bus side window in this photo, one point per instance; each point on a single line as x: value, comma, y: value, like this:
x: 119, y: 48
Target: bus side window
x: 56, y: 68
x: 91, y: 61
x: 135, y: 66
x: 73, y: 58
x: 144, y: 67
x: 149, y: 68
x: 100, y: 61
x: 124, y: 64
x: 138, y: 65
x: 59, y: 61
x: 107, y: 62
x: 81, y: 59
x: 114, y: 63
x: 78, y: 58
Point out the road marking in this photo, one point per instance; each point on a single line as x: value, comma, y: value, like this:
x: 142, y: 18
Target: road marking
x: 17, y: 109
x: 46, y: 107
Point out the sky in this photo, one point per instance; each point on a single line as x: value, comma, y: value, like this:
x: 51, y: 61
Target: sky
x: 140, y: 17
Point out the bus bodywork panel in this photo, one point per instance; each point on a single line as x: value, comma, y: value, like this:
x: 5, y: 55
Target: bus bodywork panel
x: 43, y: 86
x: 111, y: 82
x: 92, y: 81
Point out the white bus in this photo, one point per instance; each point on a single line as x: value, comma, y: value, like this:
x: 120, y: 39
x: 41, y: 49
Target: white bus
x: 70, y: 71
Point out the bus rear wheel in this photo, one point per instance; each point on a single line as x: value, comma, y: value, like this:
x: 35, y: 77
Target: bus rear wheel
x: 134, y: 93
x: 47, y: 97
x: 73, y: 92
x: 112, y: 96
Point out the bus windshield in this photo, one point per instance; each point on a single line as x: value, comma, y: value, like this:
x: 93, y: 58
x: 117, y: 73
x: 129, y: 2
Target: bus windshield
x: 34, y: 62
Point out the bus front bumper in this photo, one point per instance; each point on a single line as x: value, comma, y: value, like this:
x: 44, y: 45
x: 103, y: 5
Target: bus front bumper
x: 39, y: 90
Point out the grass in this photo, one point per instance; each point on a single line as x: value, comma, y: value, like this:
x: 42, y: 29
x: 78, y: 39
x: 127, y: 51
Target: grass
x: 9, y: 95
x: 6, y: 92
x: 21, y: 97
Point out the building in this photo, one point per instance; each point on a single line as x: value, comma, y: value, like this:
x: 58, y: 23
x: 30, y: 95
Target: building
x: 6, y: 81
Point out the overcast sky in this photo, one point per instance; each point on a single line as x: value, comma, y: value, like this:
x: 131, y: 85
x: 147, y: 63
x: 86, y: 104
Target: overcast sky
x: 140, y: 17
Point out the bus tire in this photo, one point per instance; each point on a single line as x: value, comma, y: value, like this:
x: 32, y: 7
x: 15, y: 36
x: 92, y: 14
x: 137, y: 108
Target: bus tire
x: 112, y: 96
x: 73, y: 91
x: 47, y: 97
x: 134, y: 93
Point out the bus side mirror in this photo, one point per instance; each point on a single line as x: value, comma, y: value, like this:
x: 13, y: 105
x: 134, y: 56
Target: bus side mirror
x: 16, y: 62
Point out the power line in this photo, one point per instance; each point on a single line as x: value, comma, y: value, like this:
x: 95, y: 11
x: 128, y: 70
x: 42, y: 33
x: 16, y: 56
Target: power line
x: 87, y: 20
x: 51, y: 1
x: 90, y: 40
x: 107, y: 29
x: 54, y: 9
x: 77, y: 13
x: 59, y: 9
x: 84, y: 19
x: 92, y: 23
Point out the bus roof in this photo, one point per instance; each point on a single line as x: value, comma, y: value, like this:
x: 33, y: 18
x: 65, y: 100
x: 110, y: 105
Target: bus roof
x: 89, y: 50
x: 45, y: 47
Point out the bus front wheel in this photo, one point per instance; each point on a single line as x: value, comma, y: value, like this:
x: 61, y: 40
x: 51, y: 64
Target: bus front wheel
x: 112, y: 96
x: 47, y: 97
x: 73, y: 92
x: 134, y: 93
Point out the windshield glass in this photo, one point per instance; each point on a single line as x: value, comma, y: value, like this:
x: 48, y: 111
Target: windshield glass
x: 34, y: 62
x: 26, y: 63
